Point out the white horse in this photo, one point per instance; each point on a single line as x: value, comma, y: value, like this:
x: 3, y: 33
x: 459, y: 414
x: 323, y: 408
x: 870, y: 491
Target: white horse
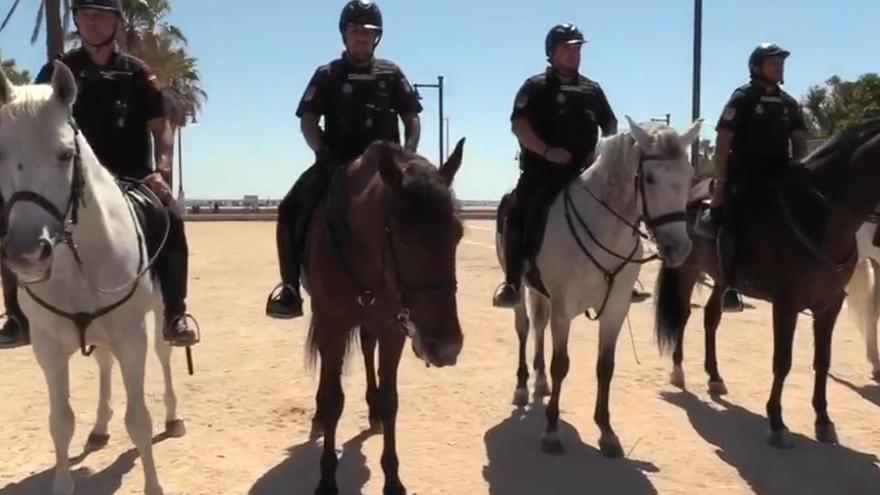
x: 56, y: 193
x: 863, y: 293
x: 592, y: 253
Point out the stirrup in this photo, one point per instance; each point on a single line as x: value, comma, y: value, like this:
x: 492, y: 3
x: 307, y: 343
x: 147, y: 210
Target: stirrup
x: 196, y: 330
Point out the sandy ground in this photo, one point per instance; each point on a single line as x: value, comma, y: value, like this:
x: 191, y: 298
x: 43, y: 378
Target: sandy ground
x: 248, y: 408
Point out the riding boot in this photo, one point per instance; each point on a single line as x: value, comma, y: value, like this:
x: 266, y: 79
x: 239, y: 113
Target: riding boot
x: 508, y: 295
x: 15, y: 331
x: 285, y: 301
x: 172, y: 266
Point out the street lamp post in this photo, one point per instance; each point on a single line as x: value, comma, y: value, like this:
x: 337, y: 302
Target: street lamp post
x: 698, y: 50
x: 439, y: 88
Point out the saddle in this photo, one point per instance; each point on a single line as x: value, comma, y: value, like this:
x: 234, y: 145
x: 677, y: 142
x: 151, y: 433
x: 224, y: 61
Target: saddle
x: 150, y: 213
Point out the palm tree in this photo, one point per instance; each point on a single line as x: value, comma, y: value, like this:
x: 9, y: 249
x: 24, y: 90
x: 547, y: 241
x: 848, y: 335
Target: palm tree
x: 56, y: 14
x: 16, y: 76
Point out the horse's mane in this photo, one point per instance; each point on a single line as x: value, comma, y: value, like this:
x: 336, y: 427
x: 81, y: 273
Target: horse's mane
x: 28, y: 102
x: 611, y: 162
x: 842, y: 144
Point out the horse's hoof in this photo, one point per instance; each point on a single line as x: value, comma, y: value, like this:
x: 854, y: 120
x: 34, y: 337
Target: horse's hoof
x: 610, y: 446
x: 521, y: 397
x: 542, y: 389
x: 397, y: 489
x: 97, y: 441
x: 327, y: 488
x: 677, y: 377
x: 780, y: 439
x: 175, y: 428
x: 551, y: 445
x: 826, y: 433
x: 717, y: 388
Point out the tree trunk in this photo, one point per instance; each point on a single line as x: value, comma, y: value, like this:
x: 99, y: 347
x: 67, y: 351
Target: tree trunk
x: 54, y: 29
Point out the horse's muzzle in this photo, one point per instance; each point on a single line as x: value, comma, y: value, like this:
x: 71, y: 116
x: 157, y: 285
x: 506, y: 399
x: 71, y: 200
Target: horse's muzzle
x: 30, y: 261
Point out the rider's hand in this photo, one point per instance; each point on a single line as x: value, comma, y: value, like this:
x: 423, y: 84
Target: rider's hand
x: 157, y: 184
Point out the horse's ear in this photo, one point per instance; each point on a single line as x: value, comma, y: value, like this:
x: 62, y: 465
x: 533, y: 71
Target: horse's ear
x: 388, y: 169
x: 641, y: 136
x: 453, y: 163
x: 63, y: 83
x: 6, y: 89
x: 692, y: 134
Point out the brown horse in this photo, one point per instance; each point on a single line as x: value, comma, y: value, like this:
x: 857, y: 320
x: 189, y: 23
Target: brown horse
x: 381, y: 257
x: 797, y: 250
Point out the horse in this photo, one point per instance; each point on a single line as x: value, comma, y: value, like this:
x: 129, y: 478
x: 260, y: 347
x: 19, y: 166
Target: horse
x: 591, y: 256
x: 97, y: 292
x: 863, y: 292
x: 381, y: 258
x: 797, y: 251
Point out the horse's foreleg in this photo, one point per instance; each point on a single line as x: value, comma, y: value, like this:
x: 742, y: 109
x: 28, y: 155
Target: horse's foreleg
x: 331, y: 401
x: 823, y: 328
x: 390, y: 350
x: 711, y: 320
x: 521, y: 321
x: 174, y: 425
x: 609, y: 329
x: 132, y: 355
x: 784, y: 323
x: 560, y: 326
x: 368, y: 348
x: 54, y: 363
x: 540, y: 317
x: 99, y: 437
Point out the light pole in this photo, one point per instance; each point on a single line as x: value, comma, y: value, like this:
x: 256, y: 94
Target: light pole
x: 181, y: 195
x: 698, y: 51
x: 439, y: 88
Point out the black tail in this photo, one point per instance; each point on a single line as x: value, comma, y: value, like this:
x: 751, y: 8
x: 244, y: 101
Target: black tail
x: 672, y: 307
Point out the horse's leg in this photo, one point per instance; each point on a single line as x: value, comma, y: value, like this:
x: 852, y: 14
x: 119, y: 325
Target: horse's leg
x: 99, y: 437
x: 823, y: 328
x: 368, y: 348
x: 132, y: 355
x: 331, y: 400
x: 609, y: 329
x: 684, y: 291
x: 174, y: 425
x: 540, y: 317
x: 521, y: 322
x: 390, y: 349
x: 711, y: 320
x: 54, y: 362
x: 871, y: 324
x: 560, y: 326
x: 784, y: 323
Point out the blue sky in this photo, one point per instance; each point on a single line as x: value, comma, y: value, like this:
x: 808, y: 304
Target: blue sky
x: 257, y: 56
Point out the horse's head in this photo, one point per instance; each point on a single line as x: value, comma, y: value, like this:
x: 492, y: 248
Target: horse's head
x: 425, y: 230
x: 664, y: 176
x: 39, y: 178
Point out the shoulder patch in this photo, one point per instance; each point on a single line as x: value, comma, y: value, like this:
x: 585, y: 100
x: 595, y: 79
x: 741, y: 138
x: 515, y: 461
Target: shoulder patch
x: 309, y: 94
x: 729, y: 113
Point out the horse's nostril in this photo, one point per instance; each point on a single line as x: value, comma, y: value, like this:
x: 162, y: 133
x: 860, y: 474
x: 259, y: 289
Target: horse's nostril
x: 45, y: 250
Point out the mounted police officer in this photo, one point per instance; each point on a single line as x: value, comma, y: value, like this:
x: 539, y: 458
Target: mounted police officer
x: 118, y: 107
x: 360, y: 98
x: 760, y: 132
x: 556, y: 118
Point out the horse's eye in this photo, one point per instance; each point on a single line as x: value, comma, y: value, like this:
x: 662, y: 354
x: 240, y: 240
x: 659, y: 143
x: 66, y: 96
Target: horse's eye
x: 65, y: 156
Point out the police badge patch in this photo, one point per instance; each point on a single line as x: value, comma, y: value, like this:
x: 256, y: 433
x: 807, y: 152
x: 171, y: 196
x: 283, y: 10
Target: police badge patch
x: 729, y: 113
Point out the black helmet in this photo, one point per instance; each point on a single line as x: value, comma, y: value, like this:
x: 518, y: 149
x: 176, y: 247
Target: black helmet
x: 763, y: 51
x: 114, y: 5
x: 363, y: 13
x: 563, y: 33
